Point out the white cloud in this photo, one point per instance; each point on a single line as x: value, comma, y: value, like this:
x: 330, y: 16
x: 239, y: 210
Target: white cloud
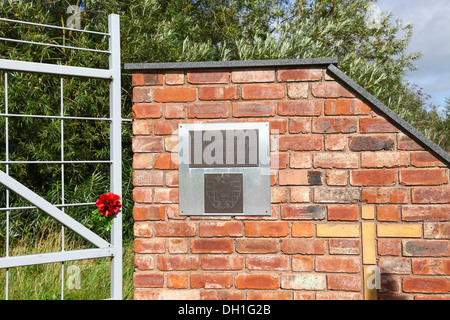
x: 431, y: 36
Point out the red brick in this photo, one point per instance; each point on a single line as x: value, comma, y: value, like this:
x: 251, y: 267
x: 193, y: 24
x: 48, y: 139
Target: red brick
x: 177, y: 280
x: 338, y: 264
x: 166, y: 161
x: 218, y: 262
x: 344, y: 246
x: 298, y: 90
x: 142, y: 161
x: 222, y: 295
x: 395, y: 265
x: 200, y: 77
x: 178, y: 245
x: 172, y: 179
x: 278, y: 126
x: 388, y: 213
x: 335, y: 142
x: 299, y: 177
x: 334, y: 125
x: 336, y: 160
x: 278, y: 160
x: 143, y: 229
x: 425, y: 159
x: 220, y: 229
x: 426, y: 248
x: 302, y: 229
x: 437, y: 230
x: 257, y: 246
x: 174, y: 94
x: 142, y: 127
x: 166, y: 195
x: 148, y: 279
x: 306, y: 212
x: 142, y: 178
x: 303, y: 246
x: 144, y: 261
x: 343, y: 212
x: 371, y: 143
x: 345, y: 107
x: 425, y: 213
x: 149, y: 245
x: 299, y: 74
x: 147, y: 110
x: 266, y: 229
x: 257, y: 281
x: 300, y: 108
x: 254, y: 109
x: 263, y: 91
x: 428, y: 266
x: 368, y: 125
x: 384, y: 159
x: 423, y: 176
x: 147, y: 79
x: 426, y: 285
x: 388, y: 247
x: 212, y: 245
x: 142, y: 195
x: 384, y: 195
x: 406, y: 143
x: 304, y: 142
x: 165, y: 127
x: 178, y: 262
x: 299, y: 160
x: 218, y: 93
x: 175, y: 229
x: 344, y: 282
x: 277, y: 195
x: 302, y: 263
x: 209, y: 110
x: 253, y: 76
x: 431, y: 195
x: 337, y: 195
x: 267, y: 262
x: 299, y: 194
x: 211, y: 280
x: 147, y: 144
x: 174, y: 111
x: 148, y: 212
x: 174, y: 77
x: 383, y: 177
x: 330, y: 89
x: 142, y: 94
x: 337, y: 177
x: 299, y: 125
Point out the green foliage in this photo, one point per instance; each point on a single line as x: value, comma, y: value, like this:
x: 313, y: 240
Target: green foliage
x: 373, y: 54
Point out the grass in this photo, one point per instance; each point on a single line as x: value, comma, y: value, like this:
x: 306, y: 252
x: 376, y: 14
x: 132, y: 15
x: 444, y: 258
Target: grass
x: 83, y: 279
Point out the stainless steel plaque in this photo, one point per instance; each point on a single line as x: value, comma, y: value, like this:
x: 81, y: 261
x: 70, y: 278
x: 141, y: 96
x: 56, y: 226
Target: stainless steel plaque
x: 224, y: 168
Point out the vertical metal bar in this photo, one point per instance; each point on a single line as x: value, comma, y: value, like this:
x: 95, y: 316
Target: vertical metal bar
x: 116, y: 151
x: 7, y: 190
x: 62, y: 179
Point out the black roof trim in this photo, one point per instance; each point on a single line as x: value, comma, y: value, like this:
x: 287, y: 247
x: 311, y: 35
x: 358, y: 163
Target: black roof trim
x: 230, y: 64
x: 409, y: 130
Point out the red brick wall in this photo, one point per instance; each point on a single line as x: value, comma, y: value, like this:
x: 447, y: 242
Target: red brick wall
x: 350, y: 192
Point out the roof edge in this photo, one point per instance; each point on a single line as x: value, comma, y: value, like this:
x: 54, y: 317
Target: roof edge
x: 230, y: 64
x: 417, y: 136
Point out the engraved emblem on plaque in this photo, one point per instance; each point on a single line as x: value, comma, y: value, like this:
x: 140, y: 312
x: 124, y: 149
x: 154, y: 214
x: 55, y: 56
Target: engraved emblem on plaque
x: 223, y: 193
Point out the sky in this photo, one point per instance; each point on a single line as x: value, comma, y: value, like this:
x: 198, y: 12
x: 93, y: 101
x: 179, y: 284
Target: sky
x: 431, y: 36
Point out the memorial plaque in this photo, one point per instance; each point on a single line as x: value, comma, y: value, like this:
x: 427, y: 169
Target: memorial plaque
x: 224, y: 168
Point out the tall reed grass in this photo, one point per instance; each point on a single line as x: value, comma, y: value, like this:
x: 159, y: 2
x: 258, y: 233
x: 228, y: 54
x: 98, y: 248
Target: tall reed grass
x: 83, y: 279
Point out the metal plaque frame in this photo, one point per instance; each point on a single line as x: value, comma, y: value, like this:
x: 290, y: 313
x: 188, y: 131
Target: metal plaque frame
x: 256, y: 179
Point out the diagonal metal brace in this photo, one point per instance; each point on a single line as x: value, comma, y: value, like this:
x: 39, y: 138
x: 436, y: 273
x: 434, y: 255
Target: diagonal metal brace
x: 53, y: 211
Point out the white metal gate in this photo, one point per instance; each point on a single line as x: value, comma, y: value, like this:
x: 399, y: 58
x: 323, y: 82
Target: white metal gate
x: 103, y: 248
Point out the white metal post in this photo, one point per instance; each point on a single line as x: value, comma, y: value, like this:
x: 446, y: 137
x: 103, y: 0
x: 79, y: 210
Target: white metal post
x: 116, y: 151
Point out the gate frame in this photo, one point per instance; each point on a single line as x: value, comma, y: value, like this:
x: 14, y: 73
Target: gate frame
x: 104, y: 249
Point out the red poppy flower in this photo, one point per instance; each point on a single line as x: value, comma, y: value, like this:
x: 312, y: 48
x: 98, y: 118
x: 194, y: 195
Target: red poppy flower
x: 108, y: 204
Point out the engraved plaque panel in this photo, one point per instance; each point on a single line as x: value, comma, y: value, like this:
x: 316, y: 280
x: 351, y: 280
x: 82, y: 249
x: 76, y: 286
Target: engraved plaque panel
x: 224, y: 193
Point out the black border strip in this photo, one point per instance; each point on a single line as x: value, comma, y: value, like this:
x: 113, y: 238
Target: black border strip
x: 412, y: 132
